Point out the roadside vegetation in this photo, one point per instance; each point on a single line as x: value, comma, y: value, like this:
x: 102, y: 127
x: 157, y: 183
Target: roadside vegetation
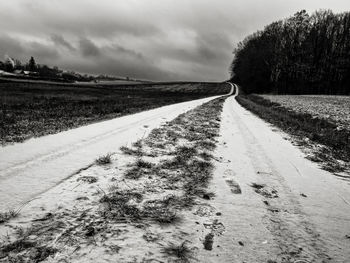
x: 328, y: 142
x: 6, y: 216
x: 143, y: 208
x: 34, y: 109
x: 335, y: 109
x: 104, y: 160
x: 181, y: 252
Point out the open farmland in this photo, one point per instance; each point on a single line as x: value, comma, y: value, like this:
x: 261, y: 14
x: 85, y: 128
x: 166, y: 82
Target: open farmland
x: 335, y: 109
x: 170, y: 182
x: 37, y: 109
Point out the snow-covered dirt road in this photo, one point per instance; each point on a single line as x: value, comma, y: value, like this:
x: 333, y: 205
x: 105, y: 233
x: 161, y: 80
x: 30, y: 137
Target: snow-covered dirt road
x: 270, y: 203
x: 275, y: 204
x: 30, y: 168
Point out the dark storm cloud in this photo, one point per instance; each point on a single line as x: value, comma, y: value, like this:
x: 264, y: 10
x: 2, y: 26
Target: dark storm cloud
x: 102, y: 27
x: 154, y: 39
x: 60, y: 41
x: 88, y: 48
x: 9, y: 45
x: 38, y: 49
x: 24, y: 49
x: 129, y: 52
x: 128, y: 63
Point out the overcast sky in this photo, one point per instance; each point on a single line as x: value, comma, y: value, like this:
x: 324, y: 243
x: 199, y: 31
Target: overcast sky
x: 150, y: 39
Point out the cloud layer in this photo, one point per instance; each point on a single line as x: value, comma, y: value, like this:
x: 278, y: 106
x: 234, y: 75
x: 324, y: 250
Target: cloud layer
x: 151, y: 39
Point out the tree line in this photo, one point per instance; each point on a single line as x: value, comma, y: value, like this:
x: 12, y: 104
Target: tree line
x: 11, y: 64
x: 33, y: 70
x: 303, y: 54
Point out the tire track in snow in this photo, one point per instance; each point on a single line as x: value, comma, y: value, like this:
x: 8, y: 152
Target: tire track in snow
x: 296, y: 236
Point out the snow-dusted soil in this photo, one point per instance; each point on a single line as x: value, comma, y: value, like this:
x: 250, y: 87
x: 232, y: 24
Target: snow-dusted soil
x: 301, y: 213
x: 110, y: 213
x: 30, y: 168
x: 271, y: 204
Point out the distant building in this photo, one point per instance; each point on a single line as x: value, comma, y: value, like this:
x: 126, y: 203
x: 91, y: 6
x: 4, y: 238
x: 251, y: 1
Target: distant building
x: 25, y: 72
x: 18, y: 71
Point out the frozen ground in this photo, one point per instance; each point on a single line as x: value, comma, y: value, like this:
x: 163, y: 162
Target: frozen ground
x: 270, y: 204
x: 300, y: 212
x: 110, y: 213
x: 32, y: 167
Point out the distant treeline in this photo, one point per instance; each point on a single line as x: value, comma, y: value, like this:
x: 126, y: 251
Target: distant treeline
x: 303, y: 54
x: 32, y: 70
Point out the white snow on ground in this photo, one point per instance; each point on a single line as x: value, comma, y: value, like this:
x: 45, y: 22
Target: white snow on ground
x: 307, y: 218
x: 76, y: 203
x: 311, y: 215
x: 30, y: 168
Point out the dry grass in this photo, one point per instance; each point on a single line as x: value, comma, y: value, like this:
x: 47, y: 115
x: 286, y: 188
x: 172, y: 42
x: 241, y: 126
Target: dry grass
x: 188, y: 171
x: 119, y: 205
x: 8, y: 215
x: 129, y: 151
x: 181, y: 251
x: 134, y: 173
x: 334, y: 109
x: 186, y: 152
x: 88, y: 179
x: 25, y: 248
x: 143, y: 164
x: 104, y: 160
x: 161, y: 214
x: 206, y: 156
x: 123, y: 205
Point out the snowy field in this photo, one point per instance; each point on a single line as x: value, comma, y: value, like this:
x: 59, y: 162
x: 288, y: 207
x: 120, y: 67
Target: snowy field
x: 333, y: 108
